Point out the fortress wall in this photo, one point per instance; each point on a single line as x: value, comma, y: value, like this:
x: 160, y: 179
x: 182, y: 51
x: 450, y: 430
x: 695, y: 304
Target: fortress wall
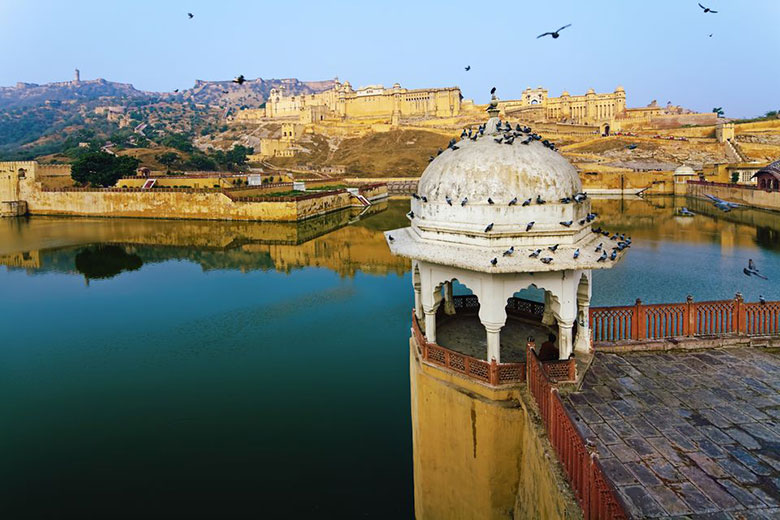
x: 176, y: 205
x: 747, y: 196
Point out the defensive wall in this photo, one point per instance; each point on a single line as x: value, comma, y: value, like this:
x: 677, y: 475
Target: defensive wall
x: 741, y: 194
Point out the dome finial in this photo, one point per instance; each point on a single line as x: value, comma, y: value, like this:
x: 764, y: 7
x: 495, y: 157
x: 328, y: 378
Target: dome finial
x: 493, y: 106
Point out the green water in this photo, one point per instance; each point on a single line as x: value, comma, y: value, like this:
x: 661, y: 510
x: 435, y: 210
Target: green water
x: 158, y: 369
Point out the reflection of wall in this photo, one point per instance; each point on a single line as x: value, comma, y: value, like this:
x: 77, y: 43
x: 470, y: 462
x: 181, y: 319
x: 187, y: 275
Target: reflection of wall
x: 479, y: 458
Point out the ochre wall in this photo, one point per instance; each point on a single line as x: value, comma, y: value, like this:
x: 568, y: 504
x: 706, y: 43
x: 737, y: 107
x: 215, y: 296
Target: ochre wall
x: 751, y: 197
x: 475, y: 457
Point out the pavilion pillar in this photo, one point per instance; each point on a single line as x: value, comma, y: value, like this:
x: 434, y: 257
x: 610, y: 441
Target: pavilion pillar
x: 493, y: 341
x: 548, y: 317
x: 418, y: 307
x: 430, y: 323
x: 582, y: 341
x: 449, y: 302
x: 564, y: 339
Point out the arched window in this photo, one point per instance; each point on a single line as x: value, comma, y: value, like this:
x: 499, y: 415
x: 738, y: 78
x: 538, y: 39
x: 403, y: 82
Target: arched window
x: 22, y: 173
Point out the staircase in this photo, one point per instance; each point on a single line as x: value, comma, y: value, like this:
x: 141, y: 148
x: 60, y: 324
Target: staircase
x: 734, y: 152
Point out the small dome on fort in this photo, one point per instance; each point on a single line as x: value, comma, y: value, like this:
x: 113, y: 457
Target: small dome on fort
x: 396, y: 85
x: 590, y: 91
x: 684, y: 170
x: 565, y: 93
x: 620, y: 89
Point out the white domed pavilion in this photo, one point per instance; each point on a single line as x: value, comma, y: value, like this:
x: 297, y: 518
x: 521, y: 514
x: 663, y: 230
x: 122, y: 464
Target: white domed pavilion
x: 501, y: 217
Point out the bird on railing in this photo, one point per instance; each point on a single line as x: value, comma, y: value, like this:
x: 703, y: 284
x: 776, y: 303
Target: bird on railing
x: 761, y: 300
x: 527, y: 202
x: 513, y: 202
x: 540, y: 200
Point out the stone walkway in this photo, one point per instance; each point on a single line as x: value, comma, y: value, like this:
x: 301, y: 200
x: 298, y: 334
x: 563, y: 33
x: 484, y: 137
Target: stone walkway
x: 687, y: 434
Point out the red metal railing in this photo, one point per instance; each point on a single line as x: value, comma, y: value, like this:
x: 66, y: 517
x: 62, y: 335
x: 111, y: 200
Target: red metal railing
x: 480, y: 370
x: 669, y: 320
x: 595, y: 494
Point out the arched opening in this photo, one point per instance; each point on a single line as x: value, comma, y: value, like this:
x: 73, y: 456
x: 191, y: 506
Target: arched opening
x: 605, y: 130
x: 22, y: 173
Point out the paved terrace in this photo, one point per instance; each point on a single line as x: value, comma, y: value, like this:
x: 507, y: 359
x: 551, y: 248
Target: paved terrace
x: 686, y: 434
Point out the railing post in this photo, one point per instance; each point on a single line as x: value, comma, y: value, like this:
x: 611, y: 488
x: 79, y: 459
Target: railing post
x: 739, y: 322
x: 637, y: 321
x: 493, y: 372
x: 528, y: 347
x: 689, y: 319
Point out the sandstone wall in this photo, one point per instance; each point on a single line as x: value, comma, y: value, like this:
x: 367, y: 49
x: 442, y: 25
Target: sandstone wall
x: 478, y: 455
x: 741, y: 195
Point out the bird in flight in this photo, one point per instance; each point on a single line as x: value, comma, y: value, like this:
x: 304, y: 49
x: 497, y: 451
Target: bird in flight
x: 493, y: 90
x: 239, y: 79
x: 707, y: 9
x: 190, y: 16
x: 176, y: 90
x: 710, y: 35
x: 555, y: 34
x: 468, y: 68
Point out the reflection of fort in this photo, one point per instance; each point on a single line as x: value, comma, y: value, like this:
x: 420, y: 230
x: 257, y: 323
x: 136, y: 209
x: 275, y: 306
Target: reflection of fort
x: 52, y: 243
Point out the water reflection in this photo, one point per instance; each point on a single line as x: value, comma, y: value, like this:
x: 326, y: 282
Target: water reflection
x: 105, y: 261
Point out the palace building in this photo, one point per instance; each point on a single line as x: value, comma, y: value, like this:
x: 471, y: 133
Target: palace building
x: 344, y: 102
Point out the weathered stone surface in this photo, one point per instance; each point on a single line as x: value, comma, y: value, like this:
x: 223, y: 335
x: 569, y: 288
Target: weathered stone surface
x: 694, y: 434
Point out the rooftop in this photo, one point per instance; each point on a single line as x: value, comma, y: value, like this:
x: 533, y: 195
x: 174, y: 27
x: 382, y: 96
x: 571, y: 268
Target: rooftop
x: 686, y: 433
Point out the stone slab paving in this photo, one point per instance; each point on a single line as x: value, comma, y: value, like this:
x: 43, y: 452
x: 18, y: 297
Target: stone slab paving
x: 687, y: 434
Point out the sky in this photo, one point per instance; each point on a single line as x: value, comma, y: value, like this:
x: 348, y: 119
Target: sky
x: 657, y: 50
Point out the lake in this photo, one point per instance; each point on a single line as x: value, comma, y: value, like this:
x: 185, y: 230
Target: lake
x: 191, y: 369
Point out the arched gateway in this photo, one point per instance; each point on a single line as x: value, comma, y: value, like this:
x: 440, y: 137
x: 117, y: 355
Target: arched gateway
x: 500, y: 218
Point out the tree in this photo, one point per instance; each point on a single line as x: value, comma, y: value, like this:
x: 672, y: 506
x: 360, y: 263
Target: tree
x: 168, y: 159
x: 102, y: 169
x: 202, y: 162
x: 734, y: 177
x: 718, y: 111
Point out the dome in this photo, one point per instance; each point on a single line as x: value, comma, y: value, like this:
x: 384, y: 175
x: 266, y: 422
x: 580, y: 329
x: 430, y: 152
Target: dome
x: 620, y: 89
x: 565, y: 93
x: 684, y: 170
x: 590, y: 91
x: 484, y: 169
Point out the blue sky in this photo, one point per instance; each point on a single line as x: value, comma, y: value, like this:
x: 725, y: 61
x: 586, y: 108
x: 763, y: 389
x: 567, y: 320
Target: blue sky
x: 655, y: 49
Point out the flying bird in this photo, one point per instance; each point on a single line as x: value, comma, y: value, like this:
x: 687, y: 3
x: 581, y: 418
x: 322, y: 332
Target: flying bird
x: 555, y: 34
x: 710, y: 35
x: 493, y: 90
x: 707, y: 9
x: 468, y: 68
x: 176, y: 91
x: 190, y: 16
x: 489, y: 227
x: 239, y: 79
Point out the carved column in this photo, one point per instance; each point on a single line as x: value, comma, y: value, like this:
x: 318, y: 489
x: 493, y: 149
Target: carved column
x: 564, y: 339
x: 493, y: 340
x: 449, y: 303
x: 548, y: 318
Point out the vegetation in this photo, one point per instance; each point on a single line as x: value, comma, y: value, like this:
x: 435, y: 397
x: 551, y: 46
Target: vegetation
x: 168, y: 159
x: 734, y: 177
x: 101, y: 169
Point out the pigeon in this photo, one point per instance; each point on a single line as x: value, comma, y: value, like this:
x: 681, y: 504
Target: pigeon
x: 602, y: 257
x: 540, y: 200
x: 464, y: 134
x: 415, y: 196
x: 576, y: 253
x: 553, y: 248
x: 579, y: 197
x: 410, y: 214
x: 448, y: 199
x: 494, y: 262
x: 431, y: 158
x: 535, y: 253
x: 613, y: 255
x: 464, y: 201
x: 489, y: 227
x: 546, y: 260
x: 527, y: 141
x: 499, y: 140
x: 490, y: 201
x: 710, y: 35
x: 239, y: 79
x: 582, y: 222
x: 707, y: 9
x: 390, y: 238
x: 530, y: 225
x: 468, y: 68
x: 567, y: 223
x: 526, y: 202
x: 424, y: 198
x: 190, y: 16
x: 555, y: 34
x: 605, y: 233
x: 451, y: 143
x: 565, y: 200
x: 509, y: 251
x: 509, y: 140
x: 176, y: 90
x: 493, y: 90
x: 761, y: 300
x: 513, y: 201
x: 598, y: 247
x: 224, y: 91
